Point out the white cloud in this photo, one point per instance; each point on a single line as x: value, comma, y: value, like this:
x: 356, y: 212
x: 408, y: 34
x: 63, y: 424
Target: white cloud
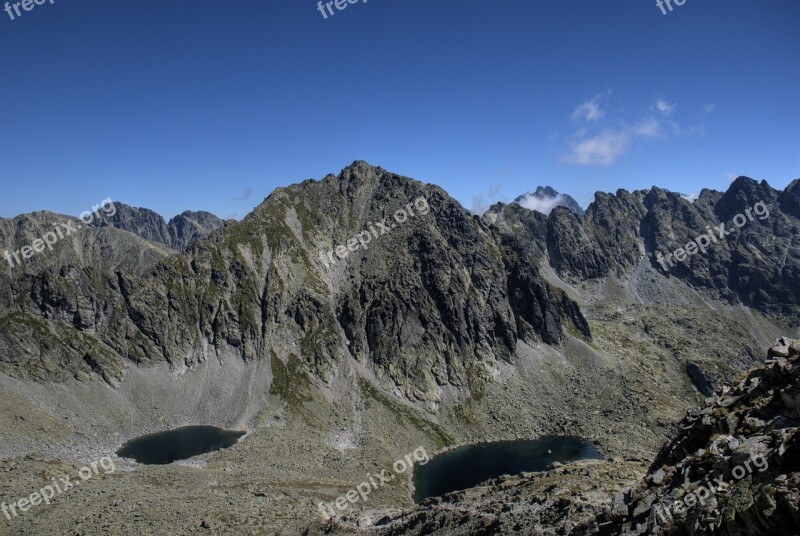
x: 648, y: 128
x: 481, y: 203
x: 692, y: 197
x: 590, y: 110
x: 545, y: 206
x: 664, y: 107
x: 601, y: 150
x: 604, y: 147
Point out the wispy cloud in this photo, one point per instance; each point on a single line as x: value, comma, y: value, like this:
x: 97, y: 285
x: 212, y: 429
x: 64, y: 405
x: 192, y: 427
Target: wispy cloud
x: 692, y: 197
x: 245, y: 194
x: 590, y: 110
x: 649, y: 127
x: 610, y: 142
x: 699, y: 126
x: 481, y: 202
x: 664, y: 107
x: 601, y: 150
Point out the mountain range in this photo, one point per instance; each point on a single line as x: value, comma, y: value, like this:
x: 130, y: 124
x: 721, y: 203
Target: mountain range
x: 446, y: 328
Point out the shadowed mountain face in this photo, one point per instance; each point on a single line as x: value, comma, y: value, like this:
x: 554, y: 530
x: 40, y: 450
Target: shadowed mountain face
x: 756, y: 264
x: 151, y: 226
x: 191, y: 224
x: 439, y: 300
x: 139, y: 221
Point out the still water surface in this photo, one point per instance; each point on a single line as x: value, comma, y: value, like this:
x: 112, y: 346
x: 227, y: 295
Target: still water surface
x: 179, y: 444
x: 470, y: 465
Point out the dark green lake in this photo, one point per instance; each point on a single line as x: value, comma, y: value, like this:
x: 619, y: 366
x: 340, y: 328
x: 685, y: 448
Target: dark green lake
x: 179, y: 444
x: 467, y: 466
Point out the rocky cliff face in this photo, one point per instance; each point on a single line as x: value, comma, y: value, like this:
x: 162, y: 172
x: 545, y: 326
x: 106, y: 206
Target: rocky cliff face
x: 139, y: 221
x: 188, y: 225
x: 437, y: 301
x: 72, y: 243
x: 59, y: 278
x: 751, y: 246
x: 56, y: 302
x: 789, y: 199
x: 441, y: 299
x: 176, y: 234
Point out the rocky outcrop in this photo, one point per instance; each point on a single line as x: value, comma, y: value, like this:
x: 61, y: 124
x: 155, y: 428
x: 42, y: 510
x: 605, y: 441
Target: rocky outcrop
x: 139, y: 221
x: 573, y: 251
x: 532, y: 504
x: 189, y: 225
x: 733, y: 469
x: 151, y: 226
x: 789, y: 199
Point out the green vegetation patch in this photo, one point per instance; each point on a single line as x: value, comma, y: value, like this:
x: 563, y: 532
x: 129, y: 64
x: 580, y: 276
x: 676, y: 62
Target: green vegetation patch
x: 406, y: 416
x: 292, y: 384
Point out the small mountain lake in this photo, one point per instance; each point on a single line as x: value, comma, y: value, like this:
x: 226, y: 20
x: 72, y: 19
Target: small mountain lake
x: 467, y: 466
x: 166, y: 447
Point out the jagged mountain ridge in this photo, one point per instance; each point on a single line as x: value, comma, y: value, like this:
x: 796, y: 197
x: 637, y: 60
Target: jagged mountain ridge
x: 757, y: 265
x: 259, y: 284
x: 227, y: 295
x: 176, y: 234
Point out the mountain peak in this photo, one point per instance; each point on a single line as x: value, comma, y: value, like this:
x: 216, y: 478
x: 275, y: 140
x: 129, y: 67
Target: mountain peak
x: 544, y: 199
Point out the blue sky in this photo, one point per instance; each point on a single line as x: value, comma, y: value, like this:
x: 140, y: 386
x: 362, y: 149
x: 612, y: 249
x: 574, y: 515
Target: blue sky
x: 210, y: 105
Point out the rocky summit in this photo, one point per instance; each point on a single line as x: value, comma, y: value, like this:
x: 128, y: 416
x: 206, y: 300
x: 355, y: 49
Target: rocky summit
x: 544, y: 199
x: 350, y: 320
